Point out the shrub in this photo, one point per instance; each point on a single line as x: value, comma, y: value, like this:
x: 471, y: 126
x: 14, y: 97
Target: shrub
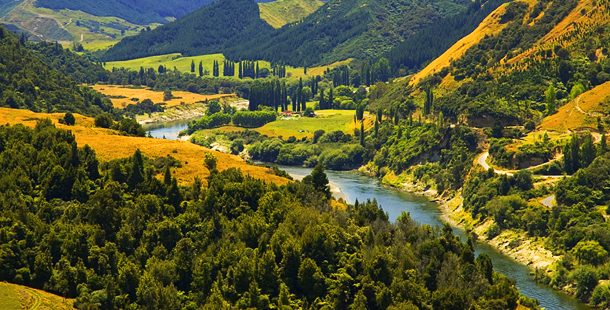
x: 103, y: 120
x: 69, y: 119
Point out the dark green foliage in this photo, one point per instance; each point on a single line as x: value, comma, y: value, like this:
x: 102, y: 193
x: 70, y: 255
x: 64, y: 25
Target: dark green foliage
x: 253, y: 119
x: 103, y: 120
x: 145, y: 106
x: 69, y: 119
x: 29, y: 81
x: 236, y: 242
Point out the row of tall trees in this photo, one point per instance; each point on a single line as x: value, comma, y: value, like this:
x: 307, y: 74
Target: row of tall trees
x: 271, y: 93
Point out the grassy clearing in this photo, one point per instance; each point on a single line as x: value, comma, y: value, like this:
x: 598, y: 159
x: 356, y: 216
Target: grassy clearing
x: 156, y: 96
x: 282, y: 12
x: 110, y: 146
x: 15, y: 297
x: 327, y: 120
x: 183, y: 64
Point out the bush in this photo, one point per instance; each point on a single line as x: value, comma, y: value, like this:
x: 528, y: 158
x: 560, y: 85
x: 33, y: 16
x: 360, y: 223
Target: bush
x: 254, y: 118
x: 103, y: 120
x: 237, y: 146
x: 69, y: 119
x: 129, y: 127
x: 209, y: 121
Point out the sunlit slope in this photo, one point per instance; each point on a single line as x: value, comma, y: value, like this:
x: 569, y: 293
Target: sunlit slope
x: 16, y: 297
x: 281, y: 12
x: 108, y: 145
x: 490, y: 26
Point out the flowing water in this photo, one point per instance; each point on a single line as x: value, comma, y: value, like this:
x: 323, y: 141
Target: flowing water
x: 394, y: 202
x: 169, y: 130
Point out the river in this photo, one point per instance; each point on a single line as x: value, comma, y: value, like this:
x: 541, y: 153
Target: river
x: 421, y: 209
x: 169, y: 130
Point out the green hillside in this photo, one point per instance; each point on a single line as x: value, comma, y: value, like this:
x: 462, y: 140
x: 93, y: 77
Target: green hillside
x: 337, y: 31
x: 281, y: 12
x: 208, y: 30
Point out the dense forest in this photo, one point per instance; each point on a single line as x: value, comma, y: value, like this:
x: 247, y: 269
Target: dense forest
x: 432, y: 41
x: 337, y: 31
x: 113, y: 235
x: 27, y: 82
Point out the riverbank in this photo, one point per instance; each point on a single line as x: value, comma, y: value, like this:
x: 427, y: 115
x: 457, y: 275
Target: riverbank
x: 526, y: 250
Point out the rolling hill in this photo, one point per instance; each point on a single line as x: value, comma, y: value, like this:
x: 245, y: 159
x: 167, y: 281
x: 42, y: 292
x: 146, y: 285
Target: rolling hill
x: 281, y: 12
x: 336, y: 31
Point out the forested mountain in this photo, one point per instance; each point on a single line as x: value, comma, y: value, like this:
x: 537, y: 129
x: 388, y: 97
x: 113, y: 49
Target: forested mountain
x: 208, y: 30
x: 432, y: 41
x: 336, y: 31
x: 26, y: 82
x: 142, y: 12
x: 114, y: 236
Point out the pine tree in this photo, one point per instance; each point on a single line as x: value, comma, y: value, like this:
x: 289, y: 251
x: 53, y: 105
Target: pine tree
x: 429, y: 100
x: 376, y: 128
x: 331, y: 101
x: 322, y: 101
x: 379, y: 115
x: 240, y: 74
x: 603, y: 146
x: 551, y: 99
x: 256, y: 74
x: 167, y: 176
x: 362, y: 134
x: 587, y: 151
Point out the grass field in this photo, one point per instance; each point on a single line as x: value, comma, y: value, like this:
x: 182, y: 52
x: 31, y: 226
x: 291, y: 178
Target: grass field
x: 16, y: 297
x: 282, y: 12
x: 327, y: 120
x: 155, y: 96
x: 183, y: 64
x: 110, y: 146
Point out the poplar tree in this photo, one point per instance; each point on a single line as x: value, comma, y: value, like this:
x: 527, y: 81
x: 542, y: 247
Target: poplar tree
x: 192, y: 66
x: 201, y: 68
x: 362, y: 134
x: 551, y: 99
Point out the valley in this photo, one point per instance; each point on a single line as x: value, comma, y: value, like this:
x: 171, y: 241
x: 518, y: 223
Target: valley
x: 298, y: 154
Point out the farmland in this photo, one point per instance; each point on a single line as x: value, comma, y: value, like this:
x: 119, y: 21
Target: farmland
x: 132, y: 95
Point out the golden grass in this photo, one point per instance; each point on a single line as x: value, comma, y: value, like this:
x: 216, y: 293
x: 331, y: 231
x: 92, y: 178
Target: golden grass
x: 155, y: 96
x: 15, y: 297
x: 490, y: 26
x: 110, y: 146
x: 569, y: 117
x: 281, y: 12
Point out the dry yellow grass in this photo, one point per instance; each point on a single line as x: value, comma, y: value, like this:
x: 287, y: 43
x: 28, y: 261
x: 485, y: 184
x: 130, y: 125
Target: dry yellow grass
x: 490, y: 26
x: 569, y: 117
x: 300, y: 73
x: 110, y: 146
x: 13, y: 296
x: 155, y: 96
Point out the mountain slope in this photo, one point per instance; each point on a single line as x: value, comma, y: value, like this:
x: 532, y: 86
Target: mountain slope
x: 26, y: 82
x: 140, y: 12
x: 206, y: 31
x: 281, y: 12
x: 336, y: 31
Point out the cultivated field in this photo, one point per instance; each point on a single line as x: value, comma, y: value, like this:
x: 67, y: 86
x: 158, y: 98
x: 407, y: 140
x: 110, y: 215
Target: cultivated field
x: 16, y: 297
x: 156, y: 96
x: 108, y: 145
